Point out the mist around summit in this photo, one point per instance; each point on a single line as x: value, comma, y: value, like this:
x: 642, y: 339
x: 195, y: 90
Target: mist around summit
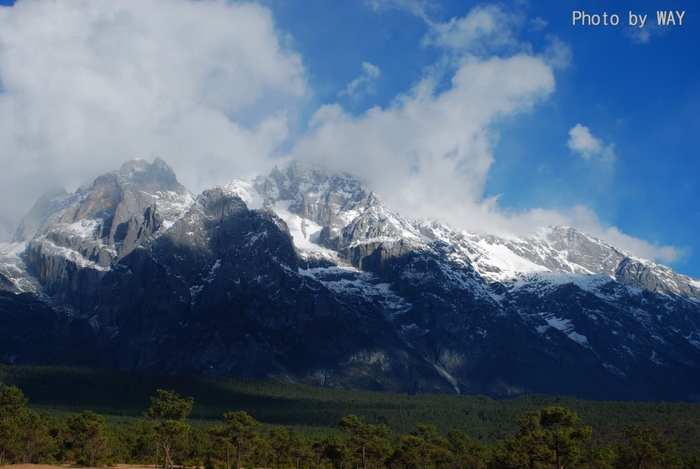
x: 220, y: 92
x: 305, y: 275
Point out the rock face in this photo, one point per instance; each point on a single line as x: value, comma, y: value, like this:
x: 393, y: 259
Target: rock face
x: 304, y: 275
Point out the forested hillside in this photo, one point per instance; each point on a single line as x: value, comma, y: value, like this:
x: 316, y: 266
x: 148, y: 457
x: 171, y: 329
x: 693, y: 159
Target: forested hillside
x: 300, y: 426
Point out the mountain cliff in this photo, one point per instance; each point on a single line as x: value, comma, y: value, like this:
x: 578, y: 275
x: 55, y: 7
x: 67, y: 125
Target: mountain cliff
x: 304, y: 275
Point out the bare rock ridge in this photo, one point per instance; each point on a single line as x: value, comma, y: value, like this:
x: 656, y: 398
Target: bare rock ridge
x: 305, y: 275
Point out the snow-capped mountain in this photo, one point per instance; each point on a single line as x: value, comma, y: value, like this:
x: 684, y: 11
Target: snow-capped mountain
x: 305, y: 275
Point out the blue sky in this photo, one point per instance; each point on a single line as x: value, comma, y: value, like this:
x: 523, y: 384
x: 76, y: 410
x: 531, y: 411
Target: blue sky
x: 602, y: 131
x: 642, y: 96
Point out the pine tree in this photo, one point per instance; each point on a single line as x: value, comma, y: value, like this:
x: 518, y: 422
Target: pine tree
x: 86, y: 432
x: 646, y: 448
x: 370, y: 442
x: 240, y: 431
x: 12, y: 402
x: 168, y: 411
x: 550, y: 439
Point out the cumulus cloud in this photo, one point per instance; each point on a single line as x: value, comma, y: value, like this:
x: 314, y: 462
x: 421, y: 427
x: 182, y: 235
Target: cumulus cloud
x: 207, y: 86
x: 538, y: 24
x: 581, y: 141
x: 429, y: 153
x: 364, y: 83
x: 640, y: 247
x: 557, y: 54
x: 485, y: 30
x: 88, y: 84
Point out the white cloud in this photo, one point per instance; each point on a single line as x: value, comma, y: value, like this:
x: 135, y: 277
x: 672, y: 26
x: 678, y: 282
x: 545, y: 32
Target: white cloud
x: 587, y: 146
x: 488, y: 31
x: 207, y: 86
x: 538, y: 24
x: 483, y: 31
x: 642, y: 248
x: 429, y: 153
x: 643, y: 35
x: 362, y: 84
x: 416, y: 7
x: 557, y: 54
x: 583, y: 142
x: 89, y: 84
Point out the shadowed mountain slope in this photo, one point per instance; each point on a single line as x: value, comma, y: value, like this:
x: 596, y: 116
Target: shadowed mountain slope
x: 306, y: 276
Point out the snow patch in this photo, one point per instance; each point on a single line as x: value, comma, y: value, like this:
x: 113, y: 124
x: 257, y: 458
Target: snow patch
x: 613, y: 369
x: 304, y: 232
x: 12, y: 249
x: 84, y: 228
x: 69, y: 254
x: 246, y: 192
x: 195, y: 290
x: 173, y: 207
x: 565, y: 326
x: 442, y: 372
x: 212, y: 273
x: 654, y: 358
x: 497, y: 263
x: 578, y: 338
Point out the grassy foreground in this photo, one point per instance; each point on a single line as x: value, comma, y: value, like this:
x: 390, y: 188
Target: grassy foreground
x: 122, y: 396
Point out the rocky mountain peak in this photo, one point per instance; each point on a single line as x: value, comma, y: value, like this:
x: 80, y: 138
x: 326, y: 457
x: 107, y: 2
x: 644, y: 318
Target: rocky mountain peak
x: 149, y: 177
x: 294, y: 178
x: 307, y: 275
x: 567, y: 249
x: 136, y: 187
x: 94, y: 227
x: 133, y: 166
x: 51, y: 202
x: 314, y: 193
x: 353, y: 223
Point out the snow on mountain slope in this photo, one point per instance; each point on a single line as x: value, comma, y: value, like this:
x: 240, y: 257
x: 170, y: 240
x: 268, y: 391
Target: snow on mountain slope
x: 344, y: 227
x: 14, y: 271
x: 556, y: 255
x: 304, y: 233
x: 109, y: 219
x: 246, y: 192
x: 537, y: 267
x: 313, y: 260
x: 314, y: 193
x: 331, y: 218
x: 326, y: 213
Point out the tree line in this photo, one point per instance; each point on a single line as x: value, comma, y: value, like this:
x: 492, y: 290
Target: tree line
x: 120, y: 396
x: 550, y: 438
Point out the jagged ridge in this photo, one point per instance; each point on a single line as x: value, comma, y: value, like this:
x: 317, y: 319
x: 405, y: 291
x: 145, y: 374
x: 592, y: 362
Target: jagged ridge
x: 305, y: 275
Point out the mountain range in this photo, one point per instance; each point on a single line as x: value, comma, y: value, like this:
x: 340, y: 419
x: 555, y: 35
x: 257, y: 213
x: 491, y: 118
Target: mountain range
x: 306, y: 276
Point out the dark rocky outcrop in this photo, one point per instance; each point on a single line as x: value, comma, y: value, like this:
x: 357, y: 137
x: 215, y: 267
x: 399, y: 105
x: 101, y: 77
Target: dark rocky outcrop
x: 135, y: 273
